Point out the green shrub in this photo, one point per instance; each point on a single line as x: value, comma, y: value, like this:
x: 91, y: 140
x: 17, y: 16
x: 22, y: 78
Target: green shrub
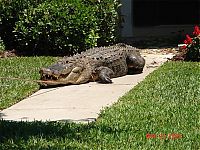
x: 56, y: 27
x: 67, y: 26
x: 9, y: 15
x: 108, y: 19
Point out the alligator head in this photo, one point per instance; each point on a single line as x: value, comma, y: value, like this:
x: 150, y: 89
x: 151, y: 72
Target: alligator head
x: 60, y: 74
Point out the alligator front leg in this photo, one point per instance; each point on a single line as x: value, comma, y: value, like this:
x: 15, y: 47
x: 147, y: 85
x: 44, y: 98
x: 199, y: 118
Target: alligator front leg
x: 105, y: 74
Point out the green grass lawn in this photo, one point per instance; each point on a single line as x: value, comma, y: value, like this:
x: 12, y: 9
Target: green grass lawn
x: 166, y: 102
x: 11, y: 91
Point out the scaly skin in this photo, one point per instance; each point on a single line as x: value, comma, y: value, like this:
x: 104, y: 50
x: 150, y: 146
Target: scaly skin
x: 97, y: 64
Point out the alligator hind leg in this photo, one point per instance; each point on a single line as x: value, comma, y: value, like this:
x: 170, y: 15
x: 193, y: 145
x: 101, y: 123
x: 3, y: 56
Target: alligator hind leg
x: 105, y: 74
x: 135, y: 64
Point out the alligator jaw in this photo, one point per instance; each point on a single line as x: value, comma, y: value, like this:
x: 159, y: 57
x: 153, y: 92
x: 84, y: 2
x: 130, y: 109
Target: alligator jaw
x: 50, y: 77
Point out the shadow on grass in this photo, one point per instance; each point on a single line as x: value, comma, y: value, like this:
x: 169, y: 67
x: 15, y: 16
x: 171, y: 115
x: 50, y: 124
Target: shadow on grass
x: 23, y: 131
x: 31, y: 135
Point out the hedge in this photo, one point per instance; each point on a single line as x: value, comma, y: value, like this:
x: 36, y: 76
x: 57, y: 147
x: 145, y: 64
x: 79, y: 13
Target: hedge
x: 55, y: 27
x: 67, y: 27
x: 107, y: 12
x: 2, y: 45
x: 9, y: 15
x: 22, y: 28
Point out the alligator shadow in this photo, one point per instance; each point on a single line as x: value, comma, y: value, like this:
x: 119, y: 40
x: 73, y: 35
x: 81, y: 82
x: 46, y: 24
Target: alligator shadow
x: 52, y: 86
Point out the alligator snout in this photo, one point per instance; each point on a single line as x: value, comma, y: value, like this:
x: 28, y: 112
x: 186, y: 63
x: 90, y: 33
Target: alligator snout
x: 45, y: 71
x: 55, y: 71
x: 49, y: 72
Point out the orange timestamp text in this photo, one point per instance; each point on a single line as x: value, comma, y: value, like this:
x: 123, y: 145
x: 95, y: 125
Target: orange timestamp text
x: 170, y: 136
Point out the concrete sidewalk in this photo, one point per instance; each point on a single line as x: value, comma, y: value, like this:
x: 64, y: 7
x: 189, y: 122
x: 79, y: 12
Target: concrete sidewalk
x: 78, y: 103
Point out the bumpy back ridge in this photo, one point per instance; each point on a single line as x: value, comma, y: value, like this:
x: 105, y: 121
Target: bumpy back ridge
x: 102, y: 53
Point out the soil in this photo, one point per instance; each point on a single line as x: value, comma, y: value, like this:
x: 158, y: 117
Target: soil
x: 179, y: 54
x: 6, y: 54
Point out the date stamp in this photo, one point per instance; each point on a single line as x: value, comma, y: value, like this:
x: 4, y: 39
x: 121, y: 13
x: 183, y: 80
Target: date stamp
x: 170, y: 136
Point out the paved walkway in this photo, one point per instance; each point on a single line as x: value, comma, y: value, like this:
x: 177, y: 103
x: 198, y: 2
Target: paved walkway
x: 78, y: 103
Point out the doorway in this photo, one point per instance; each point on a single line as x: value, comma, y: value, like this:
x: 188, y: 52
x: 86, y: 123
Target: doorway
x: 161, y: 17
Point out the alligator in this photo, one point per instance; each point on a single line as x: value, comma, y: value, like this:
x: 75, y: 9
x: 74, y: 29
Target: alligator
x: 96, y: 64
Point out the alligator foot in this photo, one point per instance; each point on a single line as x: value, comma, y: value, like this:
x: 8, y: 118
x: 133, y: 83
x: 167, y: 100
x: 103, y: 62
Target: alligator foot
x: 105, y: 74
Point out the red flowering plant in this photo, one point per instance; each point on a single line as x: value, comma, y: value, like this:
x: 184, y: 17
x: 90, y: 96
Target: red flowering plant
x: 192, y: 45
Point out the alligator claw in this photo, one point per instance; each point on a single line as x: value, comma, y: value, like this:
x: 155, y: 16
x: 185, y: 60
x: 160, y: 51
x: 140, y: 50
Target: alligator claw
x: 105, y: 80
x: 105, y: 74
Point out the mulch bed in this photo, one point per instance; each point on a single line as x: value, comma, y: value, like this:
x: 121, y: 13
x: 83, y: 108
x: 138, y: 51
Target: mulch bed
x: 180, y: 55
x: 6, y: 54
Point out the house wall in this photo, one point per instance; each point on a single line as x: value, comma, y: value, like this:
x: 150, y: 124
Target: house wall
x: 127, y: 18
x: 154, y: 25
